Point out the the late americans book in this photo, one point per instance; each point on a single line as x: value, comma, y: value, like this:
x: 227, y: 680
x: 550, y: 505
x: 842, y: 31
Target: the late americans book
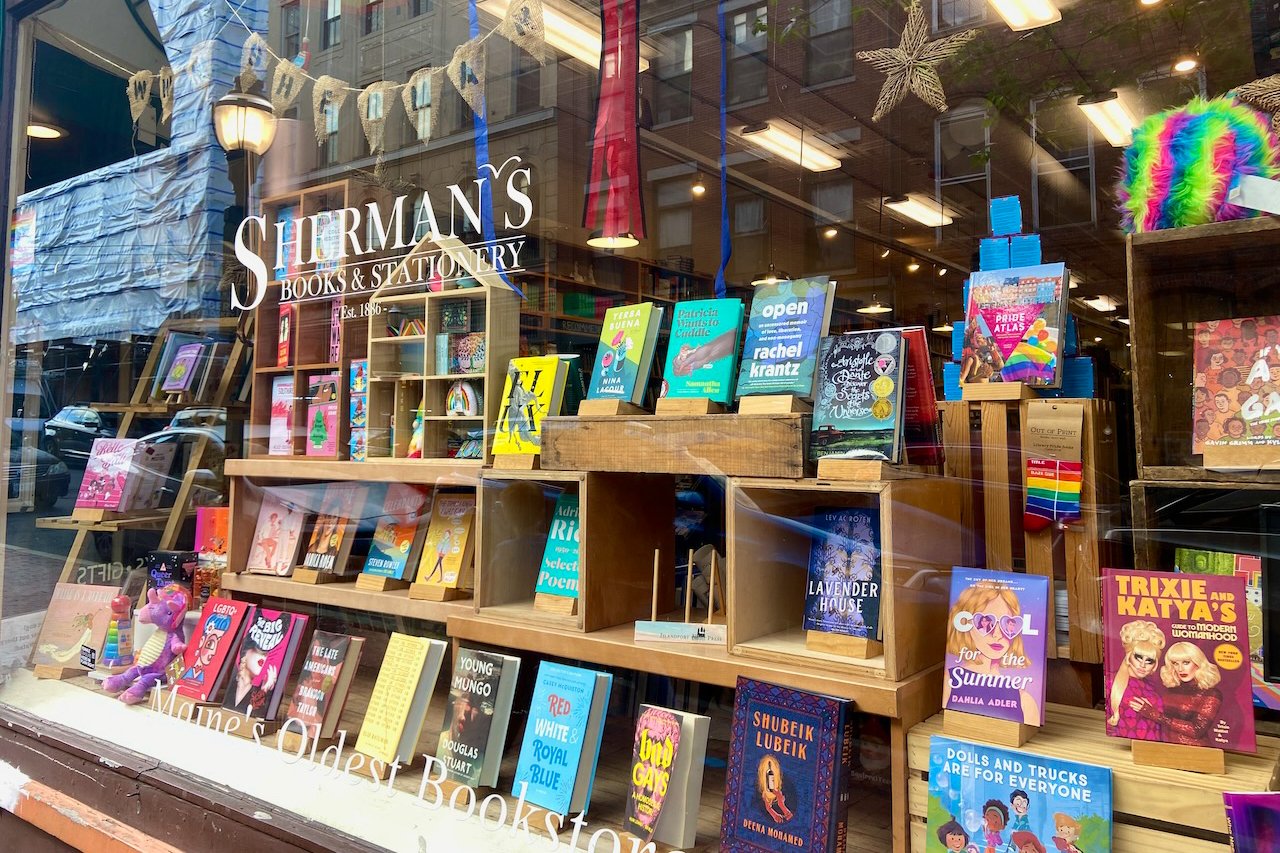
x: 857, y: 408
x: 206, y: 662
x: 558, y: 574
x: 628, y: 339
x: 323, y: 682
x: 264, y: 660
x: 702, y: 355
x: 787, y: 321
x: 842, y: 594
x: 533, y: 391
x: 475, y: 723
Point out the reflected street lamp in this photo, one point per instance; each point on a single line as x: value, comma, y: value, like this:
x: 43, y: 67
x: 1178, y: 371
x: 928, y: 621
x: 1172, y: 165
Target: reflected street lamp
x: 244, y: 122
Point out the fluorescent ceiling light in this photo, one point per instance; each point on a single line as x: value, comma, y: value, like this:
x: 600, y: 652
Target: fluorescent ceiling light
x: 789, y: 142
x: 1103, y: 304
x: 570, y: 30
x: 43, y: 130
x: 1110, y: 116
x: 1027, y: 14
x: 922, y: 209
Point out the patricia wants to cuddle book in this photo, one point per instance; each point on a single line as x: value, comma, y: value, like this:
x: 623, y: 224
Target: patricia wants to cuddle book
x: 628, y: 340
x: 857, y: 408
x: 991, y: 799
x: 788, y: 319
x: 1014, y: 326
x: 996, y: 632
x: 843, y: 591
x: 702, y: 356
x: 1176, y: 659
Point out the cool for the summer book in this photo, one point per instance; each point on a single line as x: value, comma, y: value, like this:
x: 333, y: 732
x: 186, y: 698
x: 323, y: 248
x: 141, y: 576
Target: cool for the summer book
x: 399, y: 531
x: 1014, y: 324
x: 475, y: 723
x: 323, y: 682
x: 263, y: 662
x: 562, y: 738
x: 533, y: 391
x: 857, y: 408
x: 787, y: 322
x: 1234, y: 396
x: 1176, y: 659
x: 75, y: 626
x: 702, y: 355
x: 842, y: 595
x: 991, y: 799
x: 996, y: 632
x: 205, y: 664
x: 558, y: 574
x: 628, y: 340
x: 278, y: 534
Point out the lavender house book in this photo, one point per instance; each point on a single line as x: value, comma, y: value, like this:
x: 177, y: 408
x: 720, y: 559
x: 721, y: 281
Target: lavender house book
x: 843, y: 591
x: 996, y: 631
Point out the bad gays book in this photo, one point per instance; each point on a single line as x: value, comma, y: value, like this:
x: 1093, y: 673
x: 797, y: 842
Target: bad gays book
x: 843, y: 591
x: 788, y: 319
x: 987, y: 798
x: 1176, y: 659
x: 996, y: 631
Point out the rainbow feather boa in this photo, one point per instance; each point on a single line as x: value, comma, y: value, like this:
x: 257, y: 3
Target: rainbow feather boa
x: 1183, y: 162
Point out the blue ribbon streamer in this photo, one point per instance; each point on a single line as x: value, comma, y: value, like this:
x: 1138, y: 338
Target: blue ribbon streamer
x: 726, y: 244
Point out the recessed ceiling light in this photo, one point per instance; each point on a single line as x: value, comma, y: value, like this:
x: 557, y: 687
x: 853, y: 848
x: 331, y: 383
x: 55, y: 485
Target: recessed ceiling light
x: 942, y: 272
x: 43, y: 130
x: 914, y: 266
x: 885, y: 254
x: 831, y: 232
x: 1097, y: 340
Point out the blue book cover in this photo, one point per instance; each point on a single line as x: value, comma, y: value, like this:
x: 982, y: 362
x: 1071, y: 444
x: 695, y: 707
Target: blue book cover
x: 784, y: 770
x: 843, y: 591
x: 702, y: 356
x: 987, y: 798
x: 555, y: 737
x: 559, y: 572
x: 1006, y: 215
x: 628, y: 340
x: 788, y: 320
x: 993, y: 253
x: 857, y: 406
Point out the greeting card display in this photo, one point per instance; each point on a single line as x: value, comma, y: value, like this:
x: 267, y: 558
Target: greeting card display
x: 1014, y: 324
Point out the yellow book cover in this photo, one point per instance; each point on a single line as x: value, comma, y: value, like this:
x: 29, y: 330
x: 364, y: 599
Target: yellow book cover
x: 393, y: 697
x: 446, y: 556
x: 532, y: 391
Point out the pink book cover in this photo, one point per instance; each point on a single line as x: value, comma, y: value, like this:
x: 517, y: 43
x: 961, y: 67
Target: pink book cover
x: 279, y: 532
x: 106, y: 474
x: 280, y: 437
x: 322, y: 415
x: 183, y: 369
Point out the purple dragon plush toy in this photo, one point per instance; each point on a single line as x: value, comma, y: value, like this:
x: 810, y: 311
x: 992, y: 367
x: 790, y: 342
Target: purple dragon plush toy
x: 165, y: 609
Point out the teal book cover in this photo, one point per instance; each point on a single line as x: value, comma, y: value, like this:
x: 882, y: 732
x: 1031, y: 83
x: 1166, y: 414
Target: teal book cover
x: 559, y: 572
x: 702, y: 356
x: 788, y: 320
x: 554, y: 736
x: 627, y: 342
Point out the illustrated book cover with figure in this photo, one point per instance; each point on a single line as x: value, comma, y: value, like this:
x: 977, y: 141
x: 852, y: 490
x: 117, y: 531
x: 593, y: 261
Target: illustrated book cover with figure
x: 787, y: 322
x: 334, y: 529
x: 1254, y: 821
x: 322, y: 415
x: 264, y: 660
x: 842, y: 595
x: 205, y: 662
x: 533, y: 390
x: 1014, y: 326
x: 75, y: 621
x: 449, y: 547
x: 399, y: 531
x: 628, y: 340
x: 475, y: 723
x: 702, y: 355
x: 857, y: 408
x: 276, y: 539
x: 323, y: 682
x: 1235, y: 388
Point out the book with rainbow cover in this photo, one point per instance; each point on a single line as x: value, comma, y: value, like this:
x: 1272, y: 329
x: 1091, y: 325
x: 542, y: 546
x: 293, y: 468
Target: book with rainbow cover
x: 1014, y: 326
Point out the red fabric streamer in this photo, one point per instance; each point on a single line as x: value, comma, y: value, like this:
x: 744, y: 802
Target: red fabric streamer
x: 615, y: 145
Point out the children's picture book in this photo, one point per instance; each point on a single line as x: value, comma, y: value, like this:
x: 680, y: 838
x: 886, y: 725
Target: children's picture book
x: 857, y: 408
x: 702, y: 355
x: 533, y: 390
x: 842, y: 595
x: 562, y: 738
x: 279, y: 533
x: 996, y: 632
x: 183, y: 369
x: 334, y: 529
x: 1235, y: 399
x: 787, y: 323
x: 449, y: 546
x: 467, y: 353
x: 1176, y: 659
x: 1014, y: 326
x: 558, y: 574
x: 1254, y: 821
x: 205, y: 664
x: 323, y: 682
x: 75, y: 626
x: 475, y: 723
x: 107, y: 473
x: 284, y: 337
x: 322, y: 415
x: 263, y: 662
x: 785, y: 778
x: 455, y: 315
x: 399, y: 531
x: 212, y: 531
x: 398, y: 707
x: 628, y: 340
x: 921, y: 421
x: 165, y: 568
x: 991, y: 799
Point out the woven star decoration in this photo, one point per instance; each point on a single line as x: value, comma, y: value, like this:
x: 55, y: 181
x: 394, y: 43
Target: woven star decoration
x: 1265, y: 95
x: 912, y: 65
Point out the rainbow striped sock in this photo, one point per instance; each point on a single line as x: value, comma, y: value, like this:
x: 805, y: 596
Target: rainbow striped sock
x: 1053, y: 493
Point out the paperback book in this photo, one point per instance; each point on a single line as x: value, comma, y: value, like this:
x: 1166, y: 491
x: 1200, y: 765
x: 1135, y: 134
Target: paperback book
x: 996, y: 630
x: 324, y: 681
x: 857, y: 409
x: 1253, y: 820
x: 533, y: 391
x: 399, y: 531
x: 666, y: 775
x: 358, y: 397
x: 702, y: 355
x: 1175, y: 655
x: 183, y: 369
x: 558, y: 574
x: 212, y: 531
x: 334, y: 529
x: 1235, y: 400
x: 74, y: 627
x: 284, y: 335
x: 280, y: 432
x: 449, y: 546
x: 787, y: 323
x: 398, y: 707
x: 992, y: 799
x: 264, y: 659
x: 322, y: 415
x: 1014, y: 323
x: 205, y: 664
x: 628, y: 340
x: 921, y: 422
x: 842, y: 595
x: 274, y: 548
x: 475, y: 723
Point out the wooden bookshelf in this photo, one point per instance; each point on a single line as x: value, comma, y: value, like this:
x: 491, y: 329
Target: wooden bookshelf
x: 344, y: 595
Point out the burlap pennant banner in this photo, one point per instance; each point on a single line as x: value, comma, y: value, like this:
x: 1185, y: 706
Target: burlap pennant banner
x: 140, y: 93
x: 253, y: 61
x: 466, y: 72
x: 523, y: 27
x: 328, y: 93
x: 286, y: 85
x: 375, y: 103
x: 423, y: 90
x: 165, y: 83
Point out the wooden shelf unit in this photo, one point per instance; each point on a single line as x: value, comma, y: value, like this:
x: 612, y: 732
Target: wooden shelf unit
x: 344, y: 595
x: 1211, y: 514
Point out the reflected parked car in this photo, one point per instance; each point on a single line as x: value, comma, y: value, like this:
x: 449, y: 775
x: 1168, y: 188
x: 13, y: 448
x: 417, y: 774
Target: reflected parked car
x: 52, y: 478
x: 71, y: 432
x: 206, y: 417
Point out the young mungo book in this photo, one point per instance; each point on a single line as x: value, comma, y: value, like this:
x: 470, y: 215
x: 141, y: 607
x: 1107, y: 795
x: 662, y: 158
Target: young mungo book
x: 1175, y: 659
x: 788, y: 319
x: 562, y: 738
x: 323, y: 683
x: 557, y: 586
x: 702, y: 356
x: 398, y: 706
x: 842, y: 596
x: 996, y: 631
x: 666, y: 775
x: 858, y: 406
x: 475, y: 723
x: 628, y: 340
x: 990, y: 799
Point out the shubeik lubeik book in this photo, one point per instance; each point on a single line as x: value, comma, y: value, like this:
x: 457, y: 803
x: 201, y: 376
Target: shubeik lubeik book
x: 787, y: 321
x: 628, y: 339
x: 843, y: 591
x: 702, y: 355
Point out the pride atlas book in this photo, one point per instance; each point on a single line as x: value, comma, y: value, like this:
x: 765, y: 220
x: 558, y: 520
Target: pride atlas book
x: 787, y: 323
x: 562, y: 738
x: 857, y: 409
x: 533, y: 391
x: 666, y: 775
x: 74, y: 627
x: 1176, y: 659
x: 205, y: 663
x: 702, y: 355
x: 558, y: 574
x: 1235, y: 398
x: 987, y: 798
x: 1254, y: 821
x: 274, y: 547
x: 334, y: 529
x: 628, y: 339
x: 324, y: 681
x: 398, y: 707
x: 449, y: 547
x: 996, y: 632
x: 842, y: 595
x: 784, y: 786
x: 263, y: 662
x: 1014, y: 326
x: 399, y: 532
x: 475, y: 724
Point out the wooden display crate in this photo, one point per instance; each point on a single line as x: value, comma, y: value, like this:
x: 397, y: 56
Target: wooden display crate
x: 1153, y: 808
x: 721, y: 445
x: 1213, y: 516
x: 622, y: 518
x: 769, y: 537
x: 1177, y: 278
